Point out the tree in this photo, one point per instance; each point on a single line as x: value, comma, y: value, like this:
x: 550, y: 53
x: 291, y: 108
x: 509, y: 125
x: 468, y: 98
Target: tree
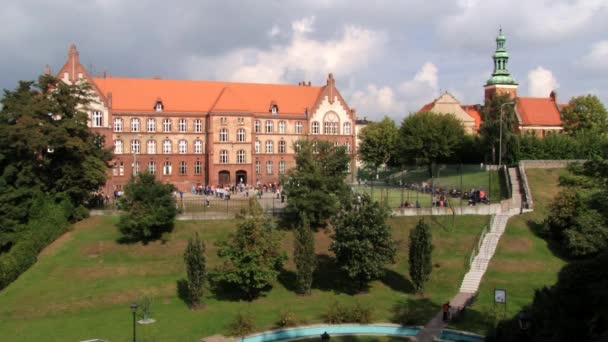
x: 428, y: 137
x: 378, y: 141
x: 194, y: 258
x: 362, y: 240
x: 252, y: 257
x: 420, y: 250
x: 304, y: 256
x: 149, y: 206
x: 584, y: 113
x: 316, y: 185
x: 46, y: 147
x: 490, y: 129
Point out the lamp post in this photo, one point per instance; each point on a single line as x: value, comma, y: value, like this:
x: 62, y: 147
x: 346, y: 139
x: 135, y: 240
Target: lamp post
x: 134, y: 310
x: 502, y: 106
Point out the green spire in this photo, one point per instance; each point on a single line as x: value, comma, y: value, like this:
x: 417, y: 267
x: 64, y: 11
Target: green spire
x: 501, y: 74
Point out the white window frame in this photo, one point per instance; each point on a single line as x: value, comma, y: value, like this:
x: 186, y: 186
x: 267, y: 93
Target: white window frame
x: 166, y: 125
x: 167, y: 168
x: 198, y: 167
x: 96, y: 119
x: 240, y: 135
x: 135, y: 146
x: 347, y: 128
x: 240, y: 157
x: 182, y: 146
x: 269, y: 167
x: 224, y: 135
x: 269, y: 146
x: 118, y: 124
x: 257, y: 126
x: 198, y: 146
x: 258, y: 146
x: 282, y: 127
x: 299, y: 126
x: 224, y: 157
x: 118, y: 147
x: 269, y: 126
x: 258, y: 167
x: 314, y: 127
x: 282, y: 146
x: 151, y: 125
x: 183, y: 125
x: 152, y: 167
x: 151, y: 147
x: 282, y: 165
x: 198, y: 126
x: 135, y: 125
x: 183, y: 168
x: 167, y: 146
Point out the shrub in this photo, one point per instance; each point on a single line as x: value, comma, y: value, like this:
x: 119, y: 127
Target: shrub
x: 287, y: 319
x: 242, y: 324
x: 361, y: 313
x: 338, y: 313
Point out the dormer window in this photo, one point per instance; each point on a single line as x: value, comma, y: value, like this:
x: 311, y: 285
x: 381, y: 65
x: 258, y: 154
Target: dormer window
x: 159, y: 106
x: 274, y: 109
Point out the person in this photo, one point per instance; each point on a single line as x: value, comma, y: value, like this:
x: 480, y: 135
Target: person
x: 446, y: 311
x: 282, y: 196
x: 207, y: 200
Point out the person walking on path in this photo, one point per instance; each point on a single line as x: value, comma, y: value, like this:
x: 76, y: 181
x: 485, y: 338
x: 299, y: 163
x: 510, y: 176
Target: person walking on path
x: 446, y: 311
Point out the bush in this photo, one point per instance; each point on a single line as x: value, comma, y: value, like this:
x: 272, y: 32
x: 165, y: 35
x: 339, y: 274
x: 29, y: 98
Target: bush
x: 287, y: 319
x: 339, y: 313
x: 242, y: 324
x: 336, y: 313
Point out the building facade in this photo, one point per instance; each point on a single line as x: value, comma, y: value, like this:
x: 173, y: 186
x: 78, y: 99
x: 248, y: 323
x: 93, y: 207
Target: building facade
x: 210, y: 133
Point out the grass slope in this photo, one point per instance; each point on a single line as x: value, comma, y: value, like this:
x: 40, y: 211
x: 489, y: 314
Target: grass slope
x: 82, y: 285
x: 523, y: 261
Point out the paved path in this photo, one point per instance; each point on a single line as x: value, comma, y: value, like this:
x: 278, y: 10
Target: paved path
x: 471, y: 281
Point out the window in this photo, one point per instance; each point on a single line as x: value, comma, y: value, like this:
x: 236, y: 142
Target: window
x: 281, y: 146
x: 223, y: 157
x: 182, y: 168
x: 240, y: 135
x: 152, y: 167
x: 96, y: 119
x: 240, y: 157
x: 151, y: 146
x: 167, y: 125
x: 223, y: 120
x: 331, y: 124
x: 167, y: 146
x: 269, y: 126
x: 135, y: 146
x: 347, y: 128
x: 347, y: 146
x: 151, y: 123
x: 282, y: 126
x: 198, y: 146
x: 223, y: 135
x: 117, y: 146
x: 182, y: 125
x: 315, y: 127
x: 118, y: 125
x: 258, y: 146
x: 297, y: 147
x: 182, y: 147
x: 282, y: 167
x: 197, y: 167
x: 258, y: 167
x: 121, y: 169
x: 240, y: 121
x: 135, y: 168
x: 115, y: 169
x: 269, y: 146
x: 167, y: 168
x: 198, y: 126
x: 269, y: 167
x: 256, y: 126
x: 159, y: 106
x: 274, y: 109
x: 298, y: 127
x: 134, y: 125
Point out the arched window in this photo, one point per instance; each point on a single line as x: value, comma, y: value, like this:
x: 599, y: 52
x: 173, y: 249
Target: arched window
x: 167, y: 125
x: 258, y: 146
x: 223, y: 157
x: 167, y: 146
x: 223, y: 135
x: 135, y: 147
x: 152, y: 167
x: 347, y: 130
x: 134, y: 125
x: 118, y: 125
x: 282, y: 126
x: 282, y: 146
x: 182, y: 147
x: 240, y: 135
x: 269, y: 167
x: 198, y: 146
x: 167, y: 168
x: 151, y: 146
x: 240, y: 157
x: 96, y: 119
x: 269, y: 146
x: 198, y: 167
x: 258, y: 167
x: 198, y: 126
x: 183, y: 125
x: 347, y: 146
x: 151, y: 125
x: 257, y: 126
x: 282, y: 167
x: 315, y: 127
x: 331, y: 124
x: 118, y: 146
x: 269, y: 126
x: 299, y: 127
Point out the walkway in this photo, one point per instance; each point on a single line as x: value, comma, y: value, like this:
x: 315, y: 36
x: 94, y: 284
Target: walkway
x: 471, y: 281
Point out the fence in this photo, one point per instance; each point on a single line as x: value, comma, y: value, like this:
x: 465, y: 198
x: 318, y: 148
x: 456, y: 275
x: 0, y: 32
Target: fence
x: 477, y: 246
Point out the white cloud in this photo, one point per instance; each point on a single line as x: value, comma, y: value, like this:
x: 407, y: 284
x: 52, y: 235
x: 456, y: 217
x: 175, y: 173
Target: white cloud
x: 274, y: 31
x: 423, y: 88
x: 300, y: 58
x: 597, y: 57
x: 374, y: 102
x: 541, y: 82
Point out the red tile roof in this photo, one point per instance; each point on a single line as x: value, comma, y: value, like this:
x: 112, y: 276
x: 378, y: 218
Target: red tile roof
x: 536, y: 111
x: 138, y: 94
x: 474, y: 113
x: 427, y: 107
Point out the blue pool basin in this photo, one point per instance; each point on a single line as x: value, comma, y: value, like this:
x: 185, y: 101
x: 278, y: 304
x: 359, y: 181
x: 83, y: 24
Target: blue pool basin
x: 459, y: 336
x: 339, y: 329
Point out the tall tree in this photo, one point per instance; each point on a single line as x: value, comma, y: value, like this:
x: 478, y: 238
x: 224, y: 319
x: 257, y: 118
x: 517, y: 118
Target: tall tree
x: 252, y: 257
x: 584, y: 113
x: 490, y: 129
x: 317, y: 184
x: 428, y: 137
x: 378, y: 141
x: 194, y: 258
x: 362, y: 240
x: 420, y: 249
x: 149, y: 208
x: 304, y: 256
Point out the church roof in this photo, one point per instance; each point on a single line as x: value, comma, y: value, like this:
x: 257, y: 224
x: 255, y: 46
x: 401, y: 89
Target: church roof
x: 474, y: 113
x: 538, y: 111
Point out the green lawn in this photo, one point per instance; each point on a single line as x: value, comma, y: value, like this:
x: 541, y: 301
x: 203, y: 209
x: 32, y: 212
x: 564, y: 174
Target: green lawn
x: 523, y: 261
x: 82, y: 285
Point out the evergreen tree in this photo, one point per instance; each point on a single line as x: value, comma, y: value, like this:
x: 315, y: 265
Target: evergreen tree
x: 304, y: 256
x: 362, y: 240
x: 149, y: 208
x: 420, y: 250
x: 194, y: 258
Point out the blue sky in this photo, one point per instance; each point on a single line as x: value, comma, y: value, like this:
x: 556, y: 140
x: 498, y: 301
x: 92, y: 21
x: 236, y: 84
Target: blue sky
x: 388, y: 57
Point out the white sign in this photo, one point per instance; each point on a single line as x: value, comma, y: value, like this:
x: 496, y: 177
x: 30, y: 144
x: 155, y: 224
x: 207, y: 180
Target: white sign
x: 500, y: 296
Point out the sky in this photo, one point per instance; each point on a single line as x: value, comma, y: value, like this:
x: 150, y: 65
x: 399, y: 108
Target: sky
x: 388, y: 57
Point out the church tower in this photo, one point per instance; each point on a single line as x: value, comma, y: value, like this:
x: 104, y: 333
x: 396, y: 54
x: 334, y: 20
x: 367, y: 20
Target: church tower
x: 501, y: 81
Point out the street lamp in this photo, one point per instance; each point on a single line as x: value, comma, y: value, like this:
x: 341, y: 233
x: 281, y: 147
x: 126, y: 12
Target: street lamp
x: 502, y: 106
x: 134, y: 310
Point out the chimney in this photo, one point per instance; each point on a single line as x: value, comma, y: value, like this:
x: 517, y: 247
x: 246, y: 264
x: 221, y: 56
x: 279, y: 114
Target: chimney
x: 330, y: 79
x: 104, y: 73
x: 553, y: 96
x: 47, y: 70
x: 309, y: 83
x: 109, y: 97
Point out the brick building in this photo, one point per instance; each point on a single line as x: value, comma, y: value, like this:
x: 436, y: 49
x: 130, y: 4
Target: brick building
x: 209, y: 132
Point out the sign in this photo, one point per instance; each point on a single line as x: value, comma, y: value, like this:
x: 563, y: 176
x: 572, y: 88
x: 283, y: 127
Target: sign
x: 500, y: 296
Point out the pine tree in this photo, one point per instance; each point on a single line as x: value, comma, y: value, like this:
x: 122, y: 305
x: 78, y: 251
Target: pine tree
x: 304, y: 256
x: 194, y: 258
x: 420, y: 255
